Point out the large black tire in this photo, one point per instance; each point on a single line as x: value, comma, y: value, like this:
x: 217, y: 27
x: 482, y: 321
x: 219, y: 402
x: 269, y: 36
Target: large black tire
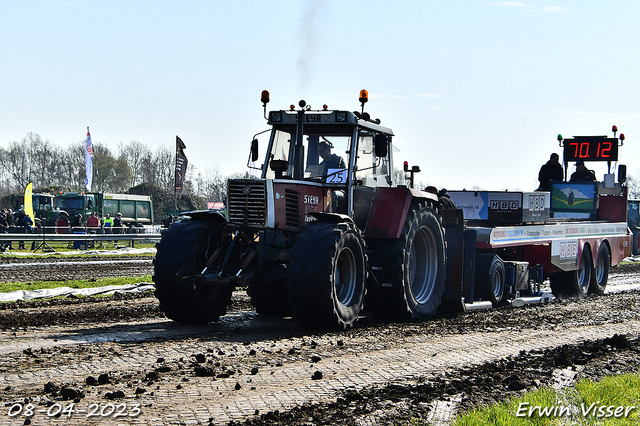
x: 327, y: 276
x: 414, y: 265
x: 62, y: 224
x: 182, y: 250
x: 490, y: 282
x: 600, y: 272
x: 269, y: 293
x: 573, y: 284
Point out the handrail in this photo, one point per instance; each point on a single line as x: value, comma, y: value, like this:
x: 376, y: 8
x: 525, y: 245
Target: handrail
x: 43, y: 238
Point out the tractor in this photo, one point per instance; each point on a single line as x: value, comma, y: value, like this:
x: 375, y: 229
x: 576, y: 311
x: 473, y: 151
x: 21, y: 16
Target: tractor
x: 321, y: 233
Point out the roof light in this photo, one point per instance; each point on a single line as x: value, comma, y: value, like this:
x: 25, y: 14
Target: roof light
x: 614, y: 128
x: 264, y: 98
x: 364, y: 96
x: 275, y: 116
x: 325, y: 107
x: 292, y: 107
x: 560, y: 138
x: 622, y: 136
x: 406, y: 166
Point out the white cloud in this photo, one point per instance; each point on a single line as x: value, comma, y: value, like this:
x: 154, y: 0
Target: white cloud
x: 555, y: 9
x: 511, y: 4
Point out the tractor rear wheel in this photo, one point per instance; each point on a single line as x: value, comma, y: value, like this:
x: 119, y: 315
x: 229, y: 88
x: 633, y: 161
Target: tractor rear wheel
x: 182, y: 251
x: 414, y: 264
x: 327, y: 275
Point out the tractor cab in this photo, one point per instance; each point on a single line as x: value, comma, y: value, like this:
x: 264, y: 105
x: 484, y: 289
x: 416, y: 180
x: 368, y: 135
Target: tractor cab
x: 324, y: 145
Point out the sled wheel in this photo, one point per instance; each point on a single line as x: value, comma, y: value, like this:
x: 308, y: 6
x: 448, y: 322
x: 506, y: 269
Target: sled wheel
x: 491, y: 282
x: 600, y: 273
x: 573, y: 284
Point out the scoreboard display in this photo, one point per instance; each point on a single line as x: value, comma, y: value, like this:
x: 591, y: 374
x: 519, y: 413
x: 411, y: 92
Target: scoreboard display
x: 591, y: 148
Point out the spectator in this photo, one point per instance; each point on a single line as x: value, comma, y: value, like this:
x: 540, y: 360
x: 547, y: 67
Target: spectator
x: 93, y: 223
x: 24, y: 221
x: 10, y: 219
x: 582, y: 174
x: 77, y: 223
x: 551, y: 170
x: 117, y: 224
x: 108, y: 223
x: 4, y: 229
x: 166, y: 222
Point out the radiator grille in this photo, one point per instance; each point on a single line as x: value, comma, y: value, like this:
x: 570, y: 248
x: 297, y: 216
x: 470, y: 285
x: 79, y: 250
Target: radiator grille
x: 247, y: 200
x: 292, y: 209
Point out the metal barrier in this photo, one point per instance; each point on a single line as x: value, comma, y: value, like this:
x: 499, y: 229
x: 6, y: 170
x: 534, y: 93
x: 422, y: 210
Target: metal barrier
x: 43, y: 239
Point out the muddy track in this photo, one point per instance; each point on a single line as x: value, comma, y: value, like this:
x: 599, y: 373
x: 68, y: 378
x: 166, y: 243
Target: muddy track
x: 261, y: 370
x: 73, y: 268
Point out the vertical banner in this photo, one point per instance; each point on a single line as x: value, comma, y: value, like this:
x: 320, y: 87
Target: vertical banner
x: 28, y: 201
x: 181, y: 164
x: 88, y: 160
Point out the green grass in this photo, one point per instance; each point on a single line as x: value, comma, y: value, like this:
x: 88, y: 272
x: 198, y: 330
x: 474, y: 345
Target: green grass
x: 590, y: 402
x: 90, y: 283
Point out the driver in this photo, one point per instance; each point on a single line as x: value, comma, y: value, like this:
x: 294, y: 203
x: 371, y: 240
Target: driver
x: 329, y: 160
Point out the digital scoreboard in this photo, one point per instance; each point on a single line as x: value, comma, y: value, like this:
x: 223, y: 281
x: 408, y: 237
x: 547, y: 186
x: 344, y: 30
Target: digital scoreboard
x: 590, y: 148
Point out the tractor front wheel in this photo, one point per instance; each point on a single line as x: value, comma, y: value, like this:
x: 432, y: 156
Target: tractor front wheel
x: 183, y: 251
x: 327, y: 275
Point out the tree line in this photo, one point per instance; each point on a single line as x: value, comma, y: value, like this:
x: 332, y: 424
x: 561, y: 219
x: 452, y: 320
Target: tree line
x: 62, y: 168
x: 52, y: 167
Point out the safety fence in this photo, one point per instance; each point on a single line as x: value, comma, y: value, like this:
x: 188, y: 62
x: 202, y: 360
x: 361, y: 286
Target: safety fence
x: 77, y: 238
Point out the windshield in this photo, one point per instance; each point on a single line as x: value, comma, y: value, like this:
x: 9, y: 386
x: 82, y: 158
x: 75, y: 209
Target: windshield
x: 75, y: 203
x: 326, y: 154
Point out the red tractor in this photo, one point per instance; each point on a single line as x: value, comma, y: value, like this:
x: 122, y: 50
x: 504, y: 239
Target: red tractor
x: 324, y: 231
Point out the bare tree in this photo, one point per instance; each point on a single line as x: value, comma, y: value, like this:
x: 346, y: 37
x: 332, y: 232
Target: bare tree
x: 137, y: 155
x: 633, y: 186
x: 109, y: 174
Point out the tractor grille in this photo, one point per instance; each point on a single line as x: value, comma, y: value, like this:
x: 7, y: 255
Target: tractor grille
x: 247, y: 200
x: 292, y: 209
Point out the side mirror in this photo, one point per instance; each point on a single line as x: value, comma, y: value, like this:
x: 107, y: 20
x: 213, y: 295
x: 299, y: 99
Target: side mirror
x: 622, y: 173
x: 381, y: 144
x: 254, y: 150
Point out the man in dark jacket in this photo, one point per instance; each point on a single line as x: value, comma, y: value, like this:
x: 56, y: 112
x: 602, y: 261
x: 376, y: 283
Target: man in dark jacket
x: 329, y: 161
x: 582, y: 174
x: 551, y: 170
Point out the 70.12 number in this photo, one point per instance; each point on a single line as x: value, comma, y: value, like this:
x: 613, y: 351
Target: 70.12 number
x: 582, y: 150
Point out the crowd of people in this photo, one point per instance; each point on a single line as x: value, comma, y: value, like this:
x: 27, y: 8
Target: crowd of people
x: 10, y: 221
x: 20, y: 222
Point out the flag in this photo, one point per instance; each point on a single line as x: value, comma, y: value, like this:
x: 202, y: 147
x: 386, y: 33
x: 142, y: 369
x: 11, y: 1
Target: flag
x: 88, y: 160
x: 28, y: 201
x: 181, y: 163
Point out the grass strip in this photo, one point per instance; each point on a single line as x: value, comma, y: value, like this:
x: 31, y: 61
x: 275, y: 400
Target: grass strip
x: 614, y: 400
x: 88, y: 283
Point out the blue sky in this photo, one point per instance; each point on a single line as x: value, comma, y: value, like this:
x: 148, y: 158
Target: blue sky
x: 475, y: 91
